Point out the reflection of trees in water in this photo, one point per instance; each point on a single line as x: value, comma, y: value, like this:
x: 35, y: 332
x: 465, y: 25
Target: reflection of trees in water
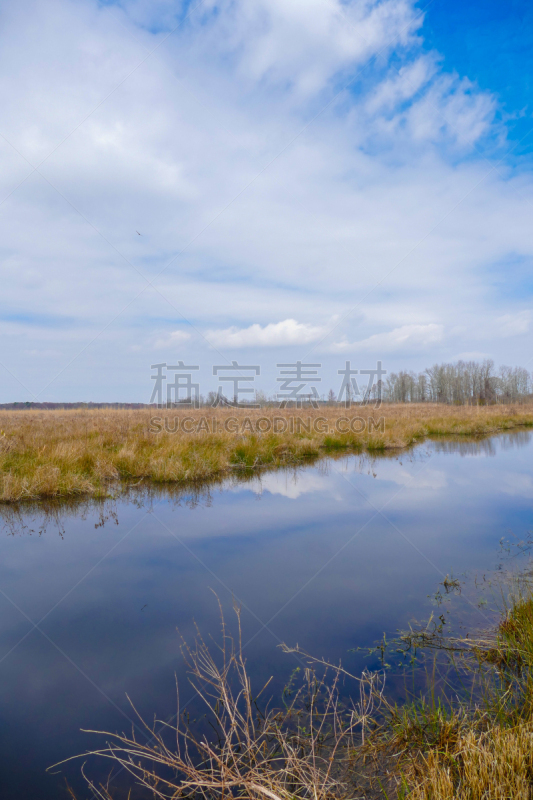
x: 41, y: 516
x: 369, y: 463
x: 483, y: 446
x: 470, y: 447
x: 36, y: 518
x: 515, y: 439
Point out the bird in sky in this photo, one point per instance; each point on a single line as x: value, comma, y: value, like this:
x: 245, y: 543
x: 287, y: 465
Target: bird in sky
x: 137, y: 232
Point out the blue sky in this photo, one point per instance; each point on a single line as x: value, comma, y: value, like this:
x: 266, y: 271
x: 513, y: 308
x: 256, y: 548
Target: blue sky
x: 263, y: 182
x: 491, y: 43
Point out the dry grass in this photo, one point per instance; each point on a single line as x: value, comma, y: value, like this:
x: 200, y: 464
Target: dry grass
x: 317, y: 745
x: 243, y: 749
x: 66, y: 453
x: 480, y: 749
x: 493, y: 765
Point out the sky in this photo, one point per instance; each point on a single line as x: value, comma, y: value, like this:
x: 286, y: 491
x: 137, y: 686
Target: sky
x: 262, y: 182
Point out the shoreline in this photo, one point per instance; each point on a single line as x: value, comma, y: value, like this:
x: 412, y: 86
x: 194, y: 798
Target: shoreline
x: 468, y: 745
x: 78, y: 453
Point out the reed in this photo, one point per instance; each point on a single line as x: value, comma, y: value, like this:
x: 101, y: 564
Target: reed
x: 245, y: 749
x: 318, y: 745
x: 61, y: 453
x: 483, y: 749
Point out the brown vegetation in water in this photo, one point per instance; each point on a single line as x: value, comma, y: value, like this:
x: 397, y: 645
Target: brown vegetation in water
x: 484, y: 749
x: 320, y: 744
x: 60, y: 453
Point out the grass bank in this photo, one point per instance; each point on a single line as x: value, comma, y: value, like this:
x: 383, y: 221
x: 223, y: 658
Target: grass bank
x: 60, y: 453
x: 320, y: 744
x: 478, y: 747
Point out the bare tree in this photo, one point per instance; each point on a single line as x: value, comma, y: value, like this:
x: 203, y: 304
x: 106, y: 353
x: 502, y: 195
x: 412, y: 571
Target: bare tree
x: 461, y: 383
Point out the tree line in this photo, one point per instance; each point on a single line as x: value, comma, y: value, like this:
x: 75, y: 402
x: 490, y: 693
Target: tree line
x: 461, y: 383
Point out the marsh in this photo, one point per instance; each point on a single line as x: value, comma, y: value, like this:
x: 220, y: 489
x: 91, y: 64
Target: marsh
x: 96, y: 594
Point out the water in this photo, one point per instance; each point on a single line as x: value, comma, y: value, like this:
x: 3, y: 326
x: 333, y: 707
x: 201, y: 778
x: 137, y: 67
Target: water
x: 328, y: 556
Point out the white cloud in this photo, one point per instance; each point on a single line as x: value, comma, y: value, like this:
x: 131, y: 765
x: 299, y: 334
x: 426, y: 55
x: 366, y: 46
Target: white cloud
x: 396, y: 89
x: 407, y: 336
x: 275, y: 334
x: 426, y: 479
x: 303, y: 45
x: 42, y: 353
x: 514, y: 324
x: 471, y: 355
x: 517, y: 484
x: 293, y: 486
x: 173, y: 339
x: 264, y: 189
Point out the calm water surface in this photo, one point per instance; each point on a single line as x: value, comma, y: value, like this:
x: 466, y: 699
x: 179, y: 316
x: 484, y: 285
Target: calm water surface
x: 329, y: 557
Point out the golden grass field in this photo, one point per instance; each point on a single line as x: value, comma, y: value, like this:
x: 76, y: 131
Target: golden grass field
x: 64, y: 453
